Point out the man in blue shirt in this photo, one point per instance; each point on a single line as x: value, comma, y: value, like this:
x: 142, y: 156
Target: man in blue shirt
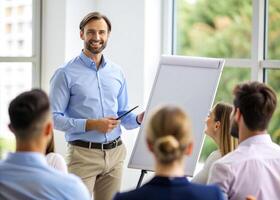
x: 87, y: 95
x: 25, y: 174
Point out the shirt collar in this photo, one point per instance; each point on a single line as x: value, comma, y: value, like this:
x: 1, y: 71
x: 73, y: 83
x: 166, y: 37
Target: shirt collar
x: 262, y: 138
x: 90, y: 63
x: 26, y: 158
x: 160, y: 180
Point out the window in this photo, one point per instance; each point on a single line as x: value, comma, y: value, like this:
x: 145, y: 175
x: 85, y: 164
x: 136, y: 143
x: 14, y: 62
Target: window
x: 273, y: 79
x: 243, y: 32
x: 271, y: 63
x: 8, y: 28
x: 214, y: 28
x: 8, y: 11
x: 273, y: 30
x: 20, y: 44
x: 19, y: 59
x: 20, y: 10
x: 20, y: 27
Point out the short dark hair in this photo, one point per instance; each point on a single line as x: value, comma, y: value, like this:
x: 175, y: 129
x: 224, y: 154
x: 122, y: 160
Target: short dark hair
x: 27, y: 111
x: 256, y: 102
x: 94, y: 16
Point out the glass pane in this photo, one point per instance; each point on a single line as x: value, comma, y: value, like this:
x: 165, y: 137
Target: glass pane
x: 273, y: 77
x: 14, y: 79
x: 214, y: 28
x: 230, y: 77
x: 274, y: 33
x: 15, y: 27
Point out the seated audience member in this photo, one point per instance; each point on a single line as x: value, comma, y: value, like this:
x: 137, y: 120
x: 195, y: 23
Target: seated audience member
x: 169, y: 140
x: 25, y: 174
x: 218, y: 126
x: 55, y: 160
x: 253, y: 168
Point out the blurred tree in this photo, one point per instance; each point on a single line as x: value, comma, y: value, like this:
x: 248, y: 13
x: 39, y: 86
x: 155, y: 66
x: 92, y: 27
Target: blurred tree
x: 216, y: 28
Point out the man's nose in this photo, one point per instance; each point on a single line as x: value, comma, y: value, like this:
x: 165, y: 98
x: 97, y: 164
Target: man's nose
x: 96, y: 36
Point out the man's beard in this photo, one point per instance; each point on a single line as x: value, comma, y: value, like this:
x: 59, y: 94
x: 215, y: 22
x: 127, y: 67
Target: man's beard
x: 234, y: 129
x: 93, y: 50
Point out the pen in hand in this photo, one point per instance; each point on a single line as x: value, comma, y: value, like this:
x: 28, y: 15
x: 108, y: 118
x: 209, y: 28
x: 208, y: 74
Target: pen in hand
x: 121, y: 116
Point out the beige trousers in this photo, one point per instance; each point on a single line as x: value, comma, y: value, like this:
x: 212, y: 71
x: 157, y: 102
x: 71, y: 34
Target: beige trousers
x: 101, y: 171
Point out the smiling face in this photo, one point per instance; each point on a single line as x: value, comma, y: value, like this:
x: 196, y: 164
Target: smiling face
x: 95, y: 35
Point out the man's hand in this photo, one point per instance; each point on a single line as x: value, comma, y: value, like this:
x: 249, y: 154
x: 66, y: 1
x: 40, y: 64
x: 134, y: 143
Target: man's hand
x: 140, y: 117
x: 250, y: 198
x: 103, y: 125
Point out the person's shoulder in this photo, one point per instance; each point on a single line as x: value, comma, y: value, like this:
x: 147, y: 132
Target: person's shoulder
x: 2, y: 164
x: 275, y: 147
x: 209, y: 191
x: 146, y: 191
x: 54, y: 156
x: 114, y: 65
x: 70, y: 183
x: 67, y: 70
x: 68, y: 179
x: 78, y: 187
x: 197, y: 191
x: 122, y: 196
x: 56, y: 161
x: 197, y: 186
x: 137, y: 194
x: 230, y: 158
x: 69, y: 65
x: 72, y: 62
x: 215, y: 155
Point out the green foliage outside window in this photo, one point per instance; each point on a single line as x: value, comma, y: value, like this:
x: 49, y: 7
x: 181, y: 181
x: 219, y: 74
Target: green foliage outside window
x: 215, y: 28
x: 6, y: 145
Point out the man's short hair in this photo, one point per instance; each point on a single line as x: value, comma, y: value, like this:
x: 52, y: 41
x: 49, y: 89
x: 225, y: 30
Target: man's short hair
x: 27, y: 113
x: 256, y: 102
x: 94, y: 16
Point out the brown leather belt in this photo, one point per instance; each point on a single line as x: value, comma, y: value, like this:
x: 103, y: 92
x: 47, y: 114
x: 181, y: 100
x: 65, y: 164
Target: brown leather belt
x: 93, y: 145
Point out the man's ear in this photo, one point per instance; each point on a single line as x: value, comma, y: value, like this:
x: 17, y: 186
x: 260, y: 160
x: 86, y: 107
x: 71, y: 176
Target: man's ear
x: 150, y: 146
x: 48, y: 129
x: 82, y: 35
x: 189, y: 149
x: 11, y: 128
x: 237, y: 115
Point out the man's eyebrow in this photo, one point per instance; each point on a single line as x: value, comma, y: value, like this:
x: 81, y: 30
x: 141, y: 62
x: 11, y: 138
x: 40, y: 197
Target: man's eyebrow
x: 91, y: 30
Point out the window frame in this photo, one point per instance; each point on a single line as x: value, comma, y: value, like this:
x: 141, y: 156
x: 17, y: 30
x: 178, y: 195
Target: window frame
x: 258, y: 63
x: 35, y: 59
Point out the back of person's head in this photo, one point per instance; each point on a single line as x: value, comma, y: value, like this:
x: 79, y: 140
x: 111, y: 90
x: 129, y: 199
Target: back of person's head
x: 222, y: 113
x: 256, y: 102
x: 169, y: 134
x: 28, y: 113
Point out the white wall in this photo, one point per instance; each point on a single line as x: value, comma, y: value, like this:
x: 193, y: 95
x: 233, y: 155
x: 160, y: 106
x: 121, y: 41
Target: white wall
x: 53, y: 49
x: 134, y: 44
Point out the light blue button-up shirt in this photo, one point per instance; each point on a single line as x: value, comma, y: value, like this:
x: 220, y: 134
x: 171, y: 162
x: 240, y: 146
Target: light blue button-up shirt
x: 26, y: 175
x: 78, y: 91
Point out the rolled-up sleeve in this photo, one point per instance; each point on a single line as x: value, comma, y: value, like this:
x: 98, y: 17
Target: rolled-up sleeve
x: 129, y: 121
x: 59, y: 98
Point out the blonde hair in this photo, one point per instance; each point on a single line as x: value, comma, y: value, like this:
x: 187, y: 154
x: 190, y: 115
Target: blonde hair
x: 222, y: 112
x: 169, y: 133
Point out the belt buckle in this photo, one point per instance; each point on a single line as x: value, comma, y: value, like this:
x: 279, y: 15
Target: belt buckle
x: 89, y: 146
x: 115, y: 143
x: 102, y: 148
